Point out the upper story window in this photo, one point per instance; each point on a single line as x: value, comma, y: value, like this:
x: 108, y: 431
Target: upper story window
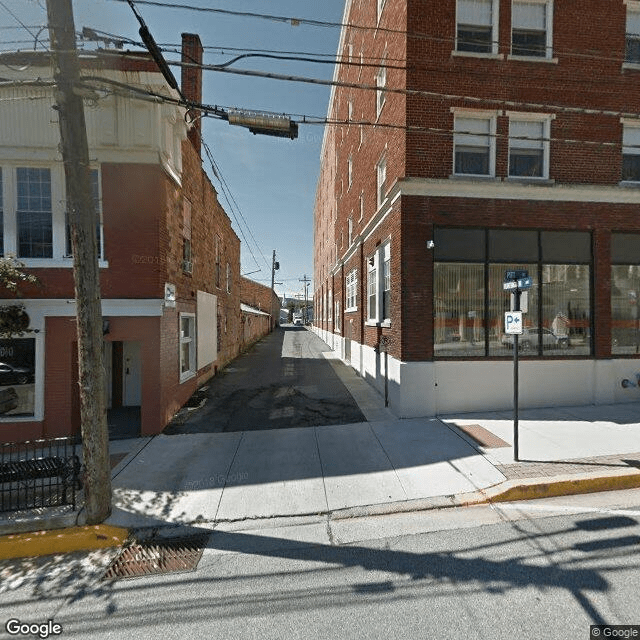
x: 632, y: 47
x: 531, y: 33
x: 528, y: 146
x: 187, y: 259
x: 477, y: 26
x: 631, y: 151
x: 228, y: 278
x: 350, y: 230
x: 34, y: 213
x: 381, y: 83
x: 381, y: 171
x: 474, y: 144
x: 349, y: 171
x: 351, y: 290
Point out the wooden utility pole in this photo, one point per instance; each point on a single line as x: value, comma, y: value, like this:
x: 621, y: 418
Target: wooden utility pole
x: 83, y: 221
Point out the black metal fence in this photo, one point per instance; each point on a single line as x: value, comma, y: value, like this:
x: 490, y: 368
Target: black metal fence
x: 39, y: 473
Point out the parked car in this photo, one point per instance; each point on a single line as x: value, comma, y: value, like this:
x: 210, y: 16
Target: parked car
x: 10, y: 374
x: 297, y: 320
x: 530, y: 339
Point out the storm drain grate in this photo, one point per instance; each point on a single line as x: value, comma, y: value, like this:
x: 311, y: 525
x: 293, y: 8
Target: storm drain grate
x: 157, y: 556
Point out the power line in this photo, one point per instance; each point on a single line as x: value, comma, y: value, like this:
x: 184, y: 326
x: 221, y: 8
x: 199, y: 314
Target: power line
x: 403, y: 91
x: 295, y: 21
x: 22, y: 24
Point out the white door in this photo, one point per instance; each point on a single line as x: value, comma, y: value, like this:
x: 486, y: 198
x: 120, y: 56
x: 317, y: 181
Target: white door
x: 131, y: 375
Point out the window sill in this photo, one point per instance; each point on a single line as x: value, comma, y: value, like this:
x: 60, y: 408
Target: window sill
x: 631, y: 66
x: 629, y: 184
x: 351, y: 310
x: 471, y: 177
x: 476, y: 54
x: 187, y: 376
x: 55, y: 263
x: 386, y: 324
x: 532, y: 59
x: 530, y: 180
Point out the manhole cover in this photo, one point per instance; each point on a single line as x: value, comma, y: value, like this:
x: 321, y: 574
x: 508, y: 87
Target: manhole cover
x: 158, y: 555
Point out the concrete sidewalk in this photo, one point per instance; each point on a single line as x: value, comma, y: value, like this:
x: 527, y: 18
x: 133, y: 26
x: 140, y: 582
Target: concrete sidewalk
x: 382, y: 465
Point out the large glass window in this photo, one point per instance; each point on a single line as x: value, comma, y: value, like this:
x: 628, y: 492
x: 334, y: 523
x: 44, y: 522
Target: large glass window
x: 625, y: 291
x: 470, y: 301
x: 34, y: 215
x: 386, y: 281
x: 372, y: 288
x: 351, y: 286
x: 17, y: 376
x: 1, y: 217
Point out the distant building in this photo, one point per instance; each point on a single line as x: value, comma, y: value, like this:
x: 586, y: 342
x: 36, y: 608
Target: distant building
x: 501, y: 137
x: 169, y: 259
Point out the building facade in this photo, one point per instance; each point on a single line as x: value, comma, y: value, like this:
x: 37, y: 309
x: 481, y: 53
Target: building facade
x: 477, y: 137
x: 169, y: 259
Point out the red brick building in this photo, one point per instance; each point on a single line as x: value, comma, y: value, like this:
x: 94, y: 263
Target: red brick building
x: 260, y: 297
x: 499, y: 134
x: 169, y: 259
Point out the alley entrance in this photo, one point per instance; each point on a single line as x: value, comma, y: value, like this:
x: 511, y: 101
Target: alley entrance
x: 282, y: 381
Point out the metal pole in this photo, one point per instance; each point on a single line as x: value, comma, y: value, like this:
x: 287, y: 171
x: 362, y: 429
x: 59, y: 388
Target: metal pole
x: 515, y: 382
x: 386, y: 379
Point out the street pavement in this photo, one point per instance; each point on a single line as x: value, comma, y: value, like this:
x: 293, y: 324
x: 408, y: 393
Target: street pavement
x: 378, y: 464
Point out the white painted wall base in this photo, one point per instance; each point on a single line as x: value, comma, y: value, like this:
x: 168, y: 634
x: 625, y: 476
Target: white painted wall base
x: 441, y: 387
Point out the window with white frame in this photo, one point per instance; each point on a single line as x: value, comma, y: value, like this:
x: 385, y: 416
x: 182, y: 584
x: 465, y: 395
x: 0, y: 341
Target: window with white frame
x: 349, y: 111
x: 474, y: 144
x: 372, y: 288
x: 632, y: 40
x: 97, y: 203
x: 631, y: 152
x: 350, y: 230
x: 385, y: 298
x: 381, y: 83
x: 330, y: 306
x: 528, y: 146
x: 477, y: 26
x: 381, y: 179
x: 187, y: 258
x: 380, y: 8
x: 34, y: 214
x: 187, y: 346
x: 336, y: 324
x: 379, y: 284
x: 349, y: 171
x: 361, y: 205
x: 531, y: 33
x: 351, y: 290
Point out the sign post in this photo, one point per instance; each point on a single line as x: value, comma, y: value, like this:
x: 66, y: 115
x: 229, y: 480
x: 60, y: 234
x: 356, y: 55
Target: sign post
x: 515, y: 282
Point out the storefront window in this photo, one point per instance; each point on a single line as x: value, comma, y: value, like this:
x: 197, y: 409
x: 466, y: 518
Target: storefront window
x: 459, y: 309
x: 470, y: 300
x: 625, y: 290
x: 17, y: 377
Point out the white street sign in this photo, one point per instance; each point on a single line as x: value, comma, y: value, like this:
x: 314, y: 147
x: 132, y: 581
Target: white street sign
x: 513, y: 322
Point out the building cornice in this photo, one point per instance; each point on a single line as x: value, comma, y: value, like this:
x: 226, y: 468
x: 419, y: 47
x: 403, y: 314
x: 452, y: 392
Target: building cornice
x: 499, y: 189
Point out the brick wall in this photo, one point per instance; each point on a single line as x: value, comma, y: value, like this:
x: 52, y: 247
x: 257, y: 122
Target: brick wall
x: 260, y: 297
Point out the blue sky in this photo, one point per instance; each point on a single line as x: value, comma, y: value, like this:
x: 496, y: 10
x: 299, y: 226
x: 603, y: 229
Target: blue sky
x: 273, y: 180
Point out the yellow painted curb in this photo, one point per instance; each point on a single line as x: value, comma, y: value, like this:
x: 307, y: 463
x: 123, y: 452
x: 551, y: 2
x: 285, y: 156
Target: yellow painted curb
x: 564, y: 486
x: 42, y: 543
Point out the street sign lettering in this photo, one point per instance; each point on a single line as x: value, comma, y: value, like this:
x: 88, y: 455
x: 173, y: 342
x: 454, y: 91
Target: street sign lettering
x: 517, y: 274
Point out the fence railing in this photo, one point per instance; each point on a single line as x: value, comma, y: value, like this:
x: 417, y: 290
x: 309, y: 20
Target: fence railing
x: 39, y: 473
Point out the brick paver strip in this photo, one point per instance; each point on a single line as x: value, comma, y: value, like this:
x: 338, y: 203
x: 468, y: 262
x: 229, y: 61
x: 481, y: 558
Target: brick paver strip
x: 597, y: 465
x: 483, y: 436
